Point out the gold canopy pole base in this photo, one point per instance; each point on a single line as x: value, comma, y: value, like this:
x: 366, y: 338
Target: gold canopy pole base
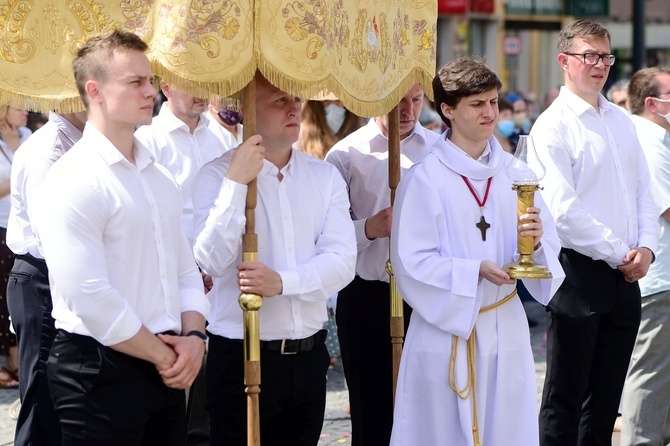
x: 251, y: 303
x: 397, y: 325
x: 525, y: 267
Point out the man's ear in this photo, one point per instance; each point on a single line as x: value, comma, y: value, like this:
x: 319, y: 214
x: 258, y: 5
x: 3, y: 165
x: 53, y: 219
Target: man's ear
x: 446, y: 111
x: 166, y: 91
x: 93, y: 91
x: 562, y: 61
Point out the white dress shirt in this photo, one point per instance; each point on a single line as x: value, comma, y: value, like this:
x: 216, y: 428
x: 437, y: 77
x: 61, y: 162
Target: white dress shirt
x: 181, y: 153
x: 31, y: 163
x: 655, y: 141
x: 228, y: 140
x: 304, y: 233
x: 597, y: 180
x: 111, y: 235
x: 6, y: 161
x: 362, y: 159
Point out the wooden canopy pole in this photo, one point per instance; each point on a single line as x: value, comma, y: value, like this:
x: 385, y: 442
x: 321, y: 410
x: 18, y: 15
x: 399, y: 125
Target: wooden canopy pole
x: 251, y: 303
x: 397, y: 316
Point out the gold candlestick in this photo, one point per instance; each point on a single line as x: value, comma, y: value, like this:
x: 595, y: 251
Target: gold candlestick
x: 526, y: 183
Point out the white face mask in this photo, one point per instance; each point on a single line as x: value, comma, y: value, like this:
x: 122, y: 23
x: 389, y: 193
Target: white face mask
x: 335, y: 116
x: 667, y: 116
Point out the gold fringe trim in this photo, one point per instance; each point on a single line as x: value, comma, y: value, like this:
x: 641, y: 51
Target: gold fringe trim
x: 377, y: 107
x: 42, y: 104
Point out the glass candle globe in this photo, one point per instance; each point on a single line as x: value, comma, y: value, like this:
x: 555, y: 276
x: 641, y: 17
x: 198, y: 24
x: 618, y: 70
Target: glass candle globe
x: 526, y: 168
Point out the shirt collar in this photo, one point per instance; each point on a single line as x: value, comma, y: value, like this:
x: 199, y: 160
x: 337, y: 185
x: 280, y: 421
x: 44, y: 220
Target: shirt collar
x: 65, y: 126
x: 372, y: 131
x: 172, y: 122
x: 652, y: 129
x: 270, y: 169
x: 111, y: 155
x: 457, y: 160
x: 579, y: 106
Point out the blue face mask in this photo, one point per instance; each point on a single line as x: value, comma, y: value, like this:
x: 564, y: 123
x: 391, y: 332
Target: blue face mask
x: 506, y: 128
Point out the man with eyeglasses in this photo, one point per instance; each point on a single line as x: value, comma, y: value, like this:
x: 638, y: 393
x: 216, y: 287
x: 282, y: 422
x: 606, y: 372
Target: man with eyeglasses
x: 597, y: 188
x: 645, y: 404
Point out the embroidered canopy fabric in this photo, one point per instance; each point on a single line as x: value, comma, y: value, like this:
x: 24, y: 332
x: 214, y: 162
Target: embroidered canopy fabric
x: 367, y: 52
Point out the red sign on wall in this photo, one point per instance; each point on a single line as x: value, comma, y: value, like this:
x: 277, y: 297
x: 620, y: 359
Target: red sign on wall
x: 485, y: 6
x: 452, y: 6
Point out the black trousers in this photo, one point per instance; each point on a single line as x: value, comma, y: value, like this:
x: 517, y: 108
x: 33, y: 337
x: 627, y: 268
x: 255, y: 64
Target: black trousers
x: 29, y: 303
x: 292, y: 399
x: 589, y: 344
x: 104, y: 397
x: 364, y: 331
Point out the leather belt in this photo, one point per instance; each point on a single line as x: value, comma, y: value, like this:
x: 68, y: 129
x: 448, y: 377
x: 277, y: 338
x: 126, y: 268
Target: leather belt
x: 294, y: 346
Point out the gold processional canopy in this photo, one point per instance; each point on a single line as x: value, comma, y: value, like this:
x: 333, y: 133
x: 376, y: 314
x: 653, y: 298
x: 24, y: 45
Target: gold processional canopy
x: 367, y: 52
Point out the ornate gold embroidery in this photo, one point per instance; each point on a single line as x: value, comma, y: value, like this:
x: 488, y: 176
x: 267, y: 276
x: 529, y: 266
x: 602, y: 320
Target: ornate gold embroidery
x: 52, y: 30
x: 328, y: 24
x: 198, y: 23
x: 92, y: 21
x: 135, y: 12
x: 13, y: 46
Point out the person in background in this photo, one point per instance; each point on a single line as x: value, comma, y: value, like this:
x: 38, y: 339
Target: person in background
x: 505, y: 127
x: 645, y: 406
x: 28, y: 294
x: 36, y: 120
x: 363, y: 308
x: 227, y: 125
x: 467, y: 371
x: 323, y: 124
x: 593, y: 160
x: 182, y: 141
x: 618, y: 93
x: 306, y: 253
x: 128, y: 299
x: 13, y: 132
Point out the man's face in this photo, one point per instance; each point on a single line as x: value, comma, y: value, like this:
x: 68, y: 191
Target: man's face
x: 663, y: 94
x: 582, y: 79
x: 127, y: 96
x: 184, y: 105
x: 620, y: 98
x: 475, y: 117
x: 409, y: 109
x: 278, y: 115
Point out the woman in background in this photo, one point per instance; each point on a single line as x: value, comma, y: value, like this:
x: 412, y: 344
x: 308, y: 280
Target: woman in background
x: 323, y: 124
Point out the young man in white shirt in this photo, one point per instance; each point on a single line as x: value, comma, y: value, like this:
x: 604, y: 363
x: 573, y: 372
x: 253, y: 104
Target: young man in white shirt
x: 182, y: 139
x: 645, y: 405
x: 597, y: 188
x: 363, y: 309
x: 28, y: 294
x: 306, y: 253
x: 127, y: 296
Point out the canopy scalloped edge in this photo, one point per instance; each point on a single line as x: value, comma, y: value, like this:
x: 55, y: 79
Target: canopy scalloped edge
x: 378, y: 107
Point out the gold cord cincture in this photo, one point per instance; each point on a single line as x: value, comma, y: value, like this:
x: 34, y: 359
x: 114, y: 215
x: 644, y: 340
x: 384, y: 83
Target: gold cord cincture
x: 470, y: 385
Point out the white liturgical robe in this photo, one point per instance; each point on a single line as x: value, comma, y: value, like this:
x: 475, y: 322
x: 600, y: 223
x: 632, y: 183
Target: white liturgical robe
x: 436, y: 251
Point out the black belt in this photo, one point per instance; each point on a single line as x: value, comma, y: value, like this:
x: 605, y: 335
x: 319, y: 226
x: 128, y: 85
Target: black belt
x: 293, y: 346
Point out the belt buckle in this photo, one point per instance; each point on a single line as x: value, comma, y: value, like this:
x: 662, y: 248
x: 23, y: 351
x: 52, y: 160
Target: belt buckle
x: 283, y: 345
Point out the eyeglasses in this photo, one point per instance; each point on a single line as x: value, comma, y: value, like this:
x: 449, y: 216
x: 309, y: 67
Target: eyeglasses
x: 593, y: 58
x: 660, y: 94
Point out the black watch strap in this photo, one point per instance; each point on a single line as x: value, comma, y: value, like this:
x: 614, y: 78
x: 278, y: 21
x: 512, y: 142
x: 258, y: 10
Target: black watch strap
x: 197, y: 333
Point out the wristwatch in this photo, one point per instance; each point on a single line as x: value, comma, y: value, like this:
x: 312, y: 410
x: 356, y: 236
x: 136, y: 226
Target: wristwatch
x: 197, y: 333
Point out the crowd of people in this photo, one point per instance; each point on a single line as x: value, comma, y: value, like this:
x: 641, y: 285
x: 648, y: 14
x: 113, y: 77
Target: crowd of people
x: 122, y: 259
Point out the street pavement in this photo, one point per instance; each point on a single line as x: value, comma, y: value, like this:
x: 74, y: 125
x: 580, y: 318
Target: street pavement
x: 336, y: 426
